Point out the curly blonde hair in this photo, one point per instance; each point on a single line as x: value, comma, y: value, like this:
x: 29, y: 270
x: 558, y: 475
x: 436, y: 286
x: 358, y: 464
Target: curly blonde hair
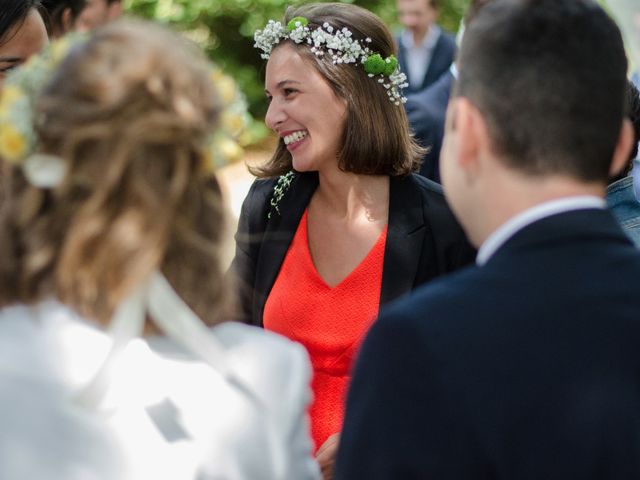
x: 130, y: 111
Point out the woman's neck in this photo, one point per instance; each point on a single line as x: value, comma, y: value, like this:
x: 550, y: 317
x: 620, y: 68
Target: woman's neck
x: 349, y: 195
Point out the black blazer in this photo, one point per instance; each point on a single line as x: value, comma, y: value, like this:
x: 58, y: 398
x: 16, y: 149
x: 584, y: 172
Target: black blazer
x: 443, y: 55
x: 423, y: 238
x: 525, y: 368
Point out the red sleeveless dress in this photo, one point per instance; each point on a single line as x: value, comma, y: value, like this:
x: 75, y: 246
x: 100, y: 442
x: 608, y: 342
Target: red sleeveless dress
x: 329, y: 322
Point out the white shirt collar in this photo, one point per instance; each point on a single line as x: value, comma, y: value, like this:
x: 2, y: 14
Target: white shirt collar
x: 531, y: 215
x: 428, y: 42
x: 454, y: 70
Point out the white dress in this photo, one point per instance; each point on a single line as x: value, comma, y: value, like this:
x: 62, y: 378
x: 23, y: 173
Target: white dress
x: 165, y: 414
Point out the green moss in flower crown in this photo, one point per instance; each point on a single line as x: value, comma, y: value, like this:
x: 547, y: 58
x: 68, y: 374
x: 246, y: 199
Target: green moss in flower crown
x: 297, y: 22
x: 391, y: 63
x: 374, y: 65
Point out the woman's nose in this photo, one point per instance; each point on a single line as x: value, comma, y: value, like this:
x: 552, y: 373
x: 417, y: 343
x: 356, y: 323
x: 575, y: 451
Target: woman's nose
x: 275, y: 115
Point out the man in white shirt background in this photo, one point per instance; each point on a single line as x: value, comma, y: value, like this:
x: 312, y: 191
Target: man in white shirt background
x: 425, y: 51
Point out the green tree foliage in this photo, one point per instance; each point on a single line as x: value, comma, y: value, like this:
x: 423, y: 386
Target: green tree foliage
x: 224, y: 28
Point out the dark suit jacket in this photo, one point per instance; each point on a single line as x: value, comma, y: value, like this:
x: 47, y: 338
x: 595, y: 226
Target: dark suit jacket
x: 423, y: 238
x: 427, y: 111
x: 444, y: 53
x: 525, y: 368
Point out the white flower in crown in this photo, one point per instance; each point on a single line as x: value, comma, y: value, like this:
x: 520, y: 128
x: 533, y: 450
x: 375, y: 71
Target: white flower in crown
x: 271, y: 35
x: 340, y: 45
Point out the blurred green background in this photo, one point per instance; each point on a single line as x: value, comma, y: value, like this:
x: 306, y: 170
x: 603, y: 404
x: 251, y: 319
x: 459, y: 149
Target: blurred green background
x: 224, y: 29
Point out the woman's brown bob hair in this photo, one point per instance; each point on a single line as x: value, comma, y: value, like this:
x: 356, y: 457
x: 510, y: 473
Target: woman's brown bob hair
x: 376, y: 139
x: 129, y: 111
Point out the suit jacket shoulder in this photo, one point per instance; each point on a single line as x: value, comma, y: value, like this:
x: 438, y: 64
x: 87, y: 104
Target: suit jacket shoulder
x: 533, y: 352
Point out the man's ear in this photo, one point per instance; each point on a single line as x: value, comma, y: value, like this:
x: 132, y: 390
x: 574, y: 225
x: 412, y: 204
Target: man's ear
x: 623, y: 148
x: 471, y: 132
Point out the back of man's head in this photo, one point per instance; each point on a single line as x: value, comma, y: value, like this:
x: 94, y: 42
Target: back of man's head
x: 549, y: 78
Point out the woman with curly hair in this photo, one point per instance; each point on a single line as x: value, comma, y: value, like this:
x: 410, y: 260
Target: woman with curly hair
x: 114, y: 361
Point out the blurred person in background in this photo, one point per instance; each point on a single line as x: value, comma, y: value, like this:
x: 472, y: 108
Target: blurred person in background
x: 80, y: 15
x: 621, y: 197
x: 22, y: 33
x: 97, y: 13
x: 427, y: 108
x: 425, y: 51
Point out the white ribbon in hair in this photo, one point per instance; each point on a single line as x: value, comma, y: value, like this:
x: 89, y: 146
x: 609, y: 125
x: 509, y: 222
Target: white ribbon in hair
x: 44, y: 171
x: 171, y: 315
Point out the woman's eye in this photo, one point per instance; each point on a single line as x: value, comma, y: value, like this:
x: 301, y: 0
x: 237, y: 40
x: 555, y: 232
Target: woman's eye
x: 6, y: 70
x: 289, y: 91
x: 269, y: 98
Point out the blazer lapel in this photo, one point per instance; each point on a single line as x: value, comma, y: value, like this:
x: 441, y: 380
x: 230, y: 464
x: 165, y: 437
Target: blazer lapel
x: 430, y: 75
x: 278, y: 235
x: 405, y: 236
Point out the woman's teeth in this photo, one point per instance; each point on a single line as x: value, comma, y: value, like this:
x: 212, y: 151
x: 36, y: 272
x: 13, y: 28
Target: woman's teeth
x: 294, y: 137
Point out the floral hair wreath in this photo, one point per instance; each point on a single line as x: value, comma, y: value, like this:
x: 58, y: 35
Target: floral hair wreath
x: 18, y: 140
x: 342, y: 48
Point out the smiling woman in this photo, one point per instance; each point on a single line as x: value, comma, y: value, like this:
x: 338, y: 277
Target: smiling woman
x: 22, y: 33
x: 338, y: 224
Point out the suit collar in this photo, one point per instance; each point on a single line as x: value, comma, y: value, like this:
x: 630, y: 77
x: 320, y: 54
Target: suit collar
x: 428, y: 42
x: 531, y: 215
x: 572, y: 226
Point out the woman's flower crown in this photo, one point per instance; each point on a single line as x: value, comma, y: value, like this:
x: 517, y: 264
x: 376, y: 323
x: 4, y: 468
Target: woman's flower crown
x: 342, y: 48
x: 18, y: 140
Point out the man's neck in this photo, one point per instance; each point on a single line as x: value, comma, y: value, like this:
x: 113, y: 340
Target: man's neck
x: 527, y: 193
x: 420, y: 35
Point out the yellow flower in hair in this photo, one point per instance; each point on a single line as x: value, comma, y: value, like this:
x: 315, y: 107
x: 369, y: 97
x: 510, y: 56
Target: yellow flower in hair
x: 229, y: 149
x: 226, y: 87
x: 224, y: 146
x: 13, y: 145
x: 59, y: 49
x: 216, y: 75
x: 10, y: 94
x: 233, y: 122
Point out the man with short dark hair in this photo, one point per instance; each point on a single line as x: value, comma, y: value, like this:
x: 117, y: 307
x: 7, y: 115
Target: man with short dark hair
x: 426, y: 109
x: 527, y: 365
x: 425, y: 51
